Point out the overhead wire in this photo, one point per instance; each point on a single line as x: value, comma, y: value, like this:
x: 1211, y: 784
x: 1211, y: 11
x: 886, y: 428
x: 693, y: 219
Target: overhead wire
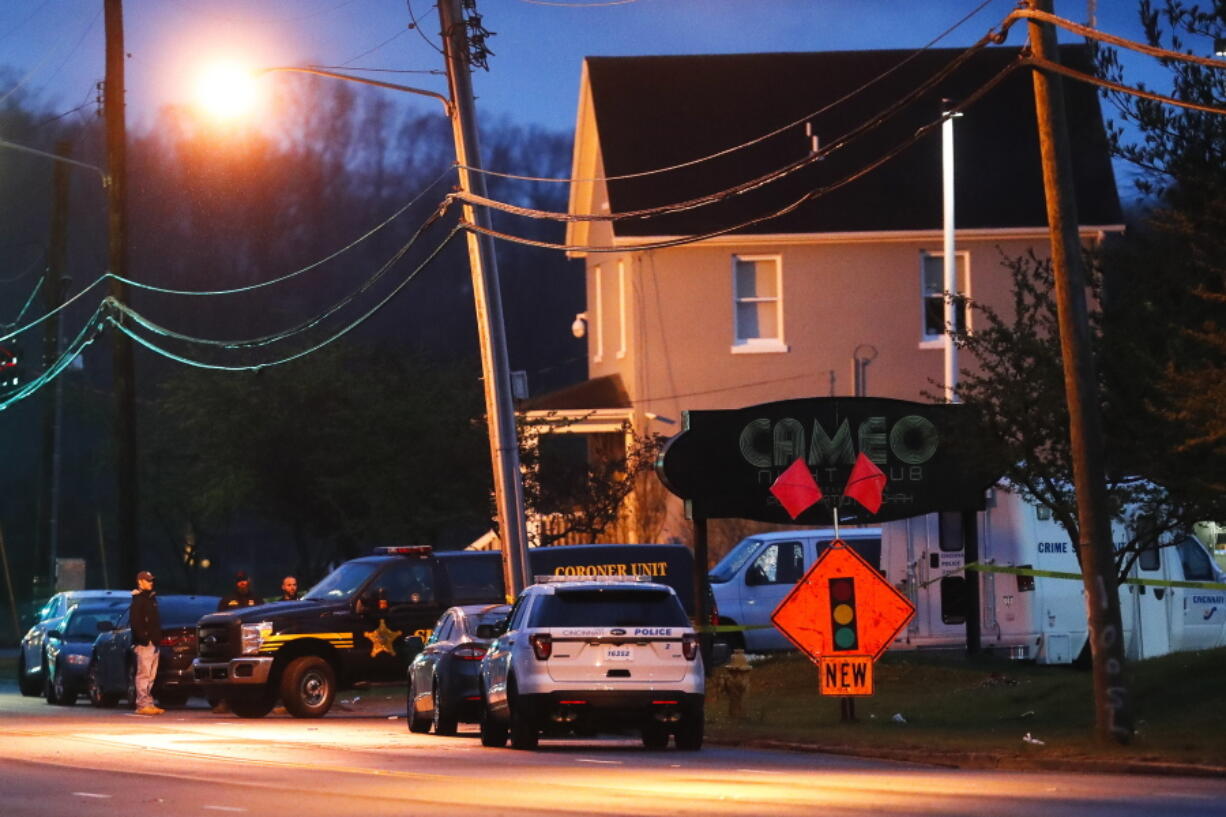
x: 417, y: 27
x: 1048, y: 65
x: 809, y: 196
x: 88, y: 334
x: 154, y: 347
x: 84, y: 33
x: 21, y: 313
x: 881, y: 117
x: 757, y: 139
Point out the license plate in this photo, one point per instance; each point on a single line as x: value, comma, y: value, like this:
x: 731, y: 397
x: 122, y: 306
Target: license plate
x: 618, y: 653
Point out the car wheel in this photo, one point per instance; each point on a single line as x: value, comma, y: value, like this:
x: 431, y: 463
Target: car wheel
x: 493, y: 731
x: 29, y: 686
x: 64, y: 694
x: 97, y: 696
x: 252, y: 706
x: 49, y: 687
x: 524, y: 734
x: 655, y: 735
x: 417, y: 722
x: 444, y: 715
x: 690, y: 730
x: 308, y: 687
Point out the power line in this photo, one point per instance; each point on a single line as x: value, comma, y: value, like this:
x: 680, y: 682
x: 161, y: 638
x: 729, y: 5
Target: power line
x: 369, y: 51
x: 47, y: 56
x: 37, y: 286
x: 809, y: 196
x: 1048, y: 65
x: 1095, y: 34
x: 757, y: 139
x: 870, y: 124
x: 416, y: 26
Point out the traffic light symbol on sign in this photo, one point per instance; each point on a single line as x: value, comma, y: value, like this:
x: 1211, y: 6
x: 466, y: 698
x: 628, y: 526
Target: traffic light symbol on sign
x: 843, y: 613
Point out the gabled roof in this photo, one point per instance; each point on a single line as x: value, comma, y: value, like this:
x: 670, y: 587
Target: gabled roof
x: 657, y: 111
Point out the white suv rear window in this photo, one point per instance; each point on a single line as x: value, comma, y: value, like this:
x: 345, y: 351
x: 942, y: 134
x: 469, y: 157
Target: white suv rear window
x: 609, y: 607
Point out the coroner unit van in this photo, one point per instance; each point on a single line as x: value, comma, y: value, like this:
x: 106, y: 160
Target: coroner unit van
x: 1026, y: 617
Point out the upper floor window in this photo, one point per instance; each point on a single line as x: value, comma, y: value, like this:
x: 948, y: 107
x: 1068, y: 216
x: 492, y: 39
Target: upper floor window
x: 757, y: 303
x: 932, y: 276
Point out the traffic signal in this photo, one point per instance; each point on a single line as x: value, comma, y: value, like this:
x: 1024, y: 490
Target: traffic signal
x: 843, y: 613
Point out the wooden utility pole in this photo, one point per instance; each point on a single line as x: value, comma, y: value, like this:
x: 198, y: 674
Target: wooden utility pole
x: 53, y: 296
x: 123, y: 363
x: 487, y: 294
x: 1112, y: 704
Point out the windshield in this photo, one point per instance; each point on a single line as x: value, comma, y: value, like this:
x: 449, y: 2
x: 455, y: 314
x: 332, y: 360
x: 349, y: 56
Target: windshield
x: 735, y: 559
x: 474, y: 620
x: 343, y: 582
x: 83, y: 624
x: 610, y: 608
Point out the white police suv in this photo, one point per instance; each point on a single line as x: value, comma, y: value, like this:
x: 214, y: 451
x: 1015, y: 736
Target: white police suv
x: 583, y: 655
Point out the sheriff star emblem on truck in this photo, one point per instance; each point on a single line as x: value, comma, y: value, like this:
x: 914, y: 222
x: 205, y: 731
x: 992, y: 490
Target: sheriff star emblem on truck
x: 383, y: 639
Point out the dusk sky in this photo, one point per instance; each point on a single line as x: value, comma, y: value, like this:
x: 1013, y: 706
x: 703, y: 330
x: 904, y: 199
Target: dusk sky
x: 54, y: 48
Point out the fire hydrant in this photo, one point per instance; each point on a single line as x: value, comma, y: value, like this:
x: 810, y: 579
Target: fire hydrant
x: 734, y: 683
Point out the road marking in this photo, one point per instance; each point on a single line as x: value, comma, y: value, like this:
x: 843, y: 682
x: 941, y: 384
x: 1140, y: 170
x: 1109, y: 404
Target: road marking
x: 761, y: 771
x: 593, y: 760
x: 91, y: 794
x: 224, y: 808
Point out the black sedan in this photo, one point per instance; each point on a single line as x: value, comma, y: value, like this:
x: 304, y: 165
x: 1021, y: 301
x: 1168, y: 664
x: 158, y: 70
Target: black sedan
x: 67, y: 650
x: 112, y: 668
x: 443, y: 677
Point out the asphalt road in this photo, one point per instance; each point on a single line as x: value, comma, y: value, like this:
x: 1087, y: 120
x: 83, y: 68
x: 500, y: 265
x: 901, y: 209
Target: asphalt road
x: 361, y: 760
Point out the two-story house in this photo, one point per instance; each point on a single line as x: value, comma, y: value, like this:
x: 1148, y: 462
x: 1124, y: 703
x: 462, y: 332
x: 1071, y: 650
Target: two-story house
x: 809, y: 275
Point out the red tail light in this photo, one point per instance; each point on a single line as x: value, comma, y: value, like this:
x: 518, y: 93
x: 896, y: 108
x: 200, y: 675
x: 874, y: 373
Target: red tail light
x: 469, y: 652
x: 542, y: 645
x: 689, y: 646
x: 181, y: 639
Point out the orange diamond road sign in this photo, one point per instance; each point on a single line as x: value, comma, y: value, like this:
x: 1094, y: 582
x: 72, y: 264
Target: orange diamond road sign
x: 846, y: 675
x: 842, y: 608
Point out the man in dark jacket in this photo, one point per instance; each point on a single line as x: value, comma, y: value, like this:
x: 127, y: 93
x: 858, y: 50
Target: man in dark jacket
x: 146, y: 632
x: 242, y: 597
x: 289, y: 589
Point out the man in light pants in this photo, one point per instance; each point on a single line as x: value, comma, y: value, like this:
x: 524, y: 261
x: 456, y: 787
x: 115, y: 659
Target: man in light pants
x: 146, y: 632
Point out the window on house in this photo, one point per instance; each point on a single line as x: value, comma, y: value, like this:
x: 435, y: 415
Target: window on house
x: 932, y: 273
x: 758, y: 306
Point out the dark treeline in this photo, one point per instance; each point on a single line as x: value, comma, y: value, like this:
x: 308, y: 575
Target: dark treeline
x: 377, y: 439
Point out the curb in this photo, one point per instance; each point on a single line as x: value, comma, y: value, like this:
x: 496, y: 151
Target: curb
x: 992, y: 760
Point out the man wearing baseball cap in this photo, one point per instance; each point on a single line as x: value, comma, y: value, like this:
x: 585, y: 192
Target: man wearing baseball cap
x: 146, y: 632
x: 242, y: 595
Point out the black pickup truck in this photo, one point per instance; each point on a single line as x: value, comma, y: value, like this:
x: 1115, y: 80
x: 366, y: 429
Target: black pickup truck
x: 367, y: 619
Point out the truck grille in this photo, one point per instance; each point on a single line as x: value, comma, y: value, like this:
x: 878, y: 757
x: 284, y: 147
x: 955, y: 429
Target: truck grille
x: 217, y: 641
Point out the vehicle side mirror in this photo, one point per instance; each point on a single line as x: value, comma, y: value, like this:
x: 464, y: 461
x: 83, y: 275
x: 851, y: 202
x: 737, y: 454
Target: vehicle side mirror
x: 412, y: 646
x: 54, y: 634
x: 105, y: 626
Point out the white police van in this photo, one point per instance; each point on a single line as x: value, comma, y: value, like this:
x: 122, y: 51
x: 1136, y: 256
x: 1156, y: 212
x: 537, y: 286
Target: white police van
x: 582, y: 655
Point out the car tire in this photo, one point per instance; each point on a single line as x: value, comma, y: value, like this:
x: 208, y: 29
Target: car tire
x: 29, y: 686
x: 655, y: 736
x: 524, y: 733
x: 65, y: 695
x: 418, y: 722
x: 308, y: 687
x: 252, y: 706
x: 94, y: 691
x: 49, y: 687
x: 444, y: 719
x: 493, y: 731
x: 690, y: 730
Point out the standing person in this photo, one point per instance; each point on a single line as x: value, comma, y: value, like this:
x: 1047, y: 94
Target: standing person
x: 146, y: 632
x: 289, y: 589
x: 242, y: 595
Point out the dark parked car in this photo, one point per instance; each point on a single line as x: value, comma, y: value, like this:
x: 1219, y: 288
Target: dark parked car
x: 443, y: 678
x: 112, y: 669
x: 31, y: 658
x: 68, y: 649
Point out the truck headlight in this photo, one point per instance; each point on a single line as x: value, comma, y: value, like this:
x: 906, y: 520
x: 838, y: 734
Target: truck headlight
x: 254, y: 635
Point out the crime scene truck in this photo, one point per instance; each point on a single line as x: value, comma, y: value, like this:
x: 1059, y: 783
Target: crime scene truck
x: 364, y: 622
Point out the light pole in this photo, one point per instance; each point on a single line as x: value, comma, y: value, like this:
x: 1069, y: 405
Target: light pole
x: 495, y: 368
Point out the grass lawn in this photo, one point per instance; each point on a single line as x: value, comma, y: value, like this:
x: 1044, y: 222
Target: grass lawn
x: 955, y: 706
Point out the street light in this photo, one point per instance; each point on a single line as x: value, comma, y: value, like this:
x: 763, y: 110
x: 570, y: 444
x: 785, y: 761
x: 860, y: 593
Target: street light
x: 495, y: 367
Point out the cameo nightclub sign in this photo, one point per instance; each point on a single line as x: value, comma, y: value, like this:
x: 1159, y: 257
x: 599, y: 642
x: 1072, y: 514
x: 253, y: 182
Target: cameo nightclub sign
x: 725, y: 461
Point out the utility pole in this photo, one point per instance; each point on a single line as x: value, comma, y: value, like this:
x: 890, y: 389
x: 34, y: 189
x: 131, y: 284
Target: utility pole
x: 1112, y: 704
x: 123, y: 363
x: 53, y: 296
x: 499, y: 409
